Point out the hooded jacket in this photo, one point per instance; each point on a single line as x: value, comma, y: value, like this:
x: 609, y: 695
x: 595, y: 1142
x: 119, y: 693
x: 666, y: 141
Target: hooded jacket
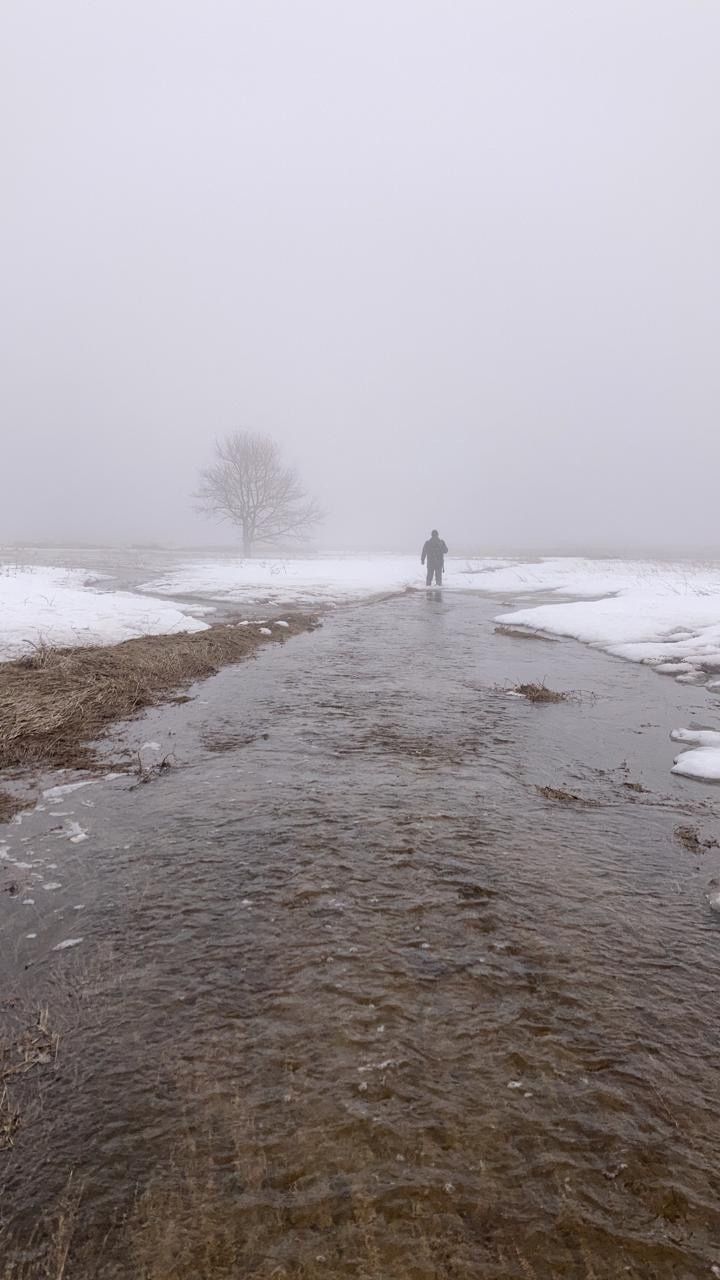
x: 434, y: 552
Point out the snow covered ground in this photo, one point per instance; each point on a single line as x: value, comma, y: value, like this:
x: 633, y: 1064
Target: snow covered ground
x: 659, y: 613
x: 667, y: 615
x: 663, y: 614
x: 61, y: 607
x: 325, y: 579
x: 302, y: 581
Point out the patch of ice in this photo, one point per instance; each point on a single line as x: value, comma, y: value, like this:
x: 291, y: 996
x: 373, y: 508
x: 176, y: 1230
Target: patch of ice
x: 31, y: 935
x: 73, y: 832
x: 69, y: 942
x: 52, y: 885
x: 697, y: 737
x: 79, y: 907
x: 702, y: 763
x: 28, y: 902
x: 54, y: 793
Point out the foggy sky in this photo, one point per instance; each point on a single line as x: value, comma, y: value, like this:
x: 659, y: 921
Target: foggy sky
x: 459, y: 256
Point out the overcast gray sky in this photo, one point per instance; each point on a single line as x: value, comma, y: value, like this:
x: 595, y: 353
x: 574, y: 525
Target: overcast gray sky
x: 460, y: 257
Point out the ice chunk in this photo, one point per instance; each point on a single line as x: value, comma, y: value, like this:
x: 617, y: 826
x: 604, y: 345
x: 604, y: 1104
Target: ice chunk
x: 702, y: 763
x: 54, y: 793
x: 73, y: 832
x: 697, y: 737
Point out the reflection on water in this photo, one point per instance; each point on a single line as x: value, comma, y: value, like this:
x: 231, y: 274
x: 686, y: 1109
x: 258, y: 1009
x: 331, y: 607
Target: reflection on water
x: 354, y: 999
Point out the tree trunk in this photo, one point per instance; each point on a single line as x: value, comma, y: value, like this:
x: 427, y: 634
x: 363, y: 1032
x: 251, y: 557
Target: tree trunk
x: 247, y: 542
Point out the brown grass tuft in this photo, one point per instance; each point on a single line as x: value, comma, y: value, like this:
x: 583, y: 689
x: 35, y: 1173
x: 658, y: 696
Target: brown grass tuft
x: 540, y: 693
x: 21, y: 1049
x: 9, y: 805
x: 692, y: 840
x: 521, y: 633
x: 560, y: 796
x: 56, y: 702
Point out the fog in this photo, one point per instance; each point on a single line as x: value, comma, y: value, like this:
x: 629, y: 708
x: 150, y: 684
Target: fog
x: 459, y: 258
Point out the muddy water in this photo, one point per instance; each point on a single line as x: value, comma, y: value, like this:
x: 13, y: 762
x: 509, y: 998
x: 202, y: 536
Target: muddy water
x: 353, y: 998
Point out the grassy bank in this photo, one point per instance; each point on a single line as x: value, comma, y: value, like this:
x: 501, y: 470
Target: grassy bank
x: 55, y: 703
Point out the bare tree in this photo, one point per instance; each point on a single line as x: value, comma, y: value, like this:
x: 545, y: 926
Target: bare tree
x: 249, y: 485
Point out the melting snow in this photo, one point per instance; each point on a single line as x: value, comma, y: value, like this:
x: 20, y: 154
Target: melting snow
x: 667, y: 615
x: 61, y: 607
x: 702, y: 763
x: 65, y: 788
x: 697, y: 737
x: 73, y: 832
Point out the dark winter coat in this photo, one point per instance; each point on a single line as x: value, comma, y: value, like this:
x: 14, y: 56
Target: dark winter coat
x: 434, y: 551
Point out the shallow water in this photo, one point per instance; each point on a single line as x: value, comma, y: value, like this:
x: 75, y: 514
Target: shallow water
x: 353, y: 998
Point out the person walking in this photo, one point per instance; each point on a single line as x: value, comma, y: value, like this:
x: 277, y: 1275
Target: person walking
x: 434, y: 553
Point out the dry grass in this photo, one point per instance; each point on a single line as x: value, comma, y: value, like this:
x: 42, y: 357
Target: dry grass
x: 692, y: 840
x: 519, y: 633
x: 9, y: 805
x: 560, y: 796
x: 22, y: 1049
x: 541, y: 693
x: 56, y: 702
x: 226, y: 1202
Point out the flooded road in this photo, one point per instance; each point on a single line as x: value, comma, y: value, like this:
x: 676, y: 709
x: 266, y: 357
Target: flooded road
x: 352, y: 997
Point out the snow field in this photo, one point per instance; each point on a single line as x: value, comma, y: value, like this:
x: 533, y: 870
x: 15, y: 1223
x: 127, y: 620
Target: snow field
x: 61, y: 607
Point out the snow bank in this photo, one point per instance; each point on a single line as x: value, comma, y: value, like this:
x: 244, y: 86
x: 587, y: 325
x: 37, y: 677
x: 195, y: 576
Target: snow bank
x: 664, y: 614
x: 703, y: 761
x: 61, y: 607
